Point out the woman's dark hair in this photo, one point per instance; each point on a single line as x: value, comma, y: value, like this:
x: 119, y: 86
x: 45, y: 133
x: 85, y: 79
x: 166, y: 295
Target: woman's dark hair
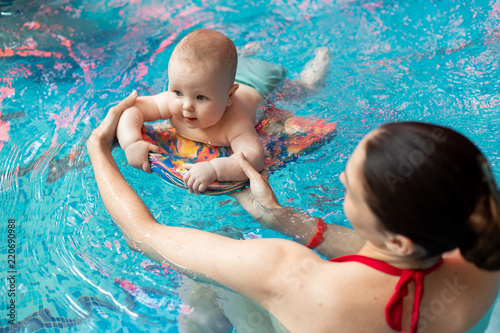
x: 432, y: 185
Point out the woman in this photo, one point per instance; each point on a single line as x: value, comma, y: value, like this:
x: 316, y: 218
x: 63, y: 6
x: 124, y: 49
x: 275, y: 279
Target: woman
x: 422, y: 197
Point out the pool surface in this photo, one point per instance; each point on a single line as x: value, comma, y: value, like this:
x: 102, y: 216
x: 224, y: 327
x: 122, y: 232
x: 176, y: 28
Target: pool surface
x: 64, y: 63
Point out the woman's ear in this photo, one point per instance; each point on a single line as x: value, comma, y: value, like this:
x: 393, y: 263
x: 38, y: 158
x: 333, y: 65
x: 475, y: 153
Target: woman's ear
x: 401, y: 245
x: 232, y: 90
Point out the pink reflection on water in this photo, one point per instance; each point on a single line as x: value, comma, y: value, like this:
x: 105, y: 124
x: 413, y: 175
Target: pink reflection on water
x: 164, y: 44
x: 68, y: 118
x: 4, y: 132
x: 5, y: 92
x: 136, y: 74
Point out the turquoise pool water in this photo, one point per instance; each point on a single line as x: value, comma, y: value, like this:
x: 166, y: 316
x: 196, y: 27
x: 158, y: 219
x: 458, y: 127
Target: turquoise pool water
x: 63, y: 63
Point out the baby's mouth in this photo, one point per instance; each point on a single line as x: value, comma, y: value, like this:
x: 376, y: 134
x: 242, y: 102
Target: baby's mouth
x: 189, y: 119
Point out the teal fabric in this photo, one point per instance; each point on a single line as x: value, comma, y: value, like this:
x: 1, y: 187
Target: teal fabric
x: 482, y: 325
x: 494, y: 322
x: 261, y: 75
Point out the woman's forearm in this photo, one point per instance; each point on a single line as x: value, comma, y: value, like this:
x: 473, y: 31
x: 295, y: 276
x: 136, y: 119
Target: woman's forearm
x: 122, y: 203
x: 120, y: 200
x: 302, y: 227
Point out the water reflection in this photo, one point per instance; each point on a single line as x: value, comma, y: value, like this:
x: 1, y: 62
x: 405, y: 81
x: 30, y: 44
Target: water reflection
x: 64, y: 63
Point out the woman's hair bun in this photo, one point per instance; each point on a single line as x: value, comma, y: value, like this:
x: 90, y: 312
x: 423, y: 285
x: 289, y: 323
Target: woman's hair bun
x: 481, y: 245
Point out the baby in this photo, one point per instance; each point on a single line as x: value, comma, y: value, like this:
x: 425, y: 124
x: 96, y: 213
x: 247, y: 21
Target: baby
x: 204, y: 104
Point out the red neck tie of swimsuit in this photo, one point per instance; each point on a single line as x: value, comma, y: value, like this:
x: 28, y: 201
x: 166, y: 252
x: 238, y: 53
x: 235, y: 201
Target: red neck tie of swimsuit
x: 394, y: 308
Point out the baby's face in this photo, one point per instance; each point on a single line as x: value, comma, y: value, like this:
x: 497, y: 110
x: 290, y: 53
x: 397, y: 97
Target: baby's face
x: 198, y: 96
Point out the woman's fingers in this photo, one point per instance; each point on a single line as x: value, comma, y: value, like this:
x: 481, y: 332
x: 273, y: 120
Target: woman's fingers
x: 259, y: 185
x: 117, y: 110
x: 106, y: 131
x: 247, y: 167
x: 107, y: 128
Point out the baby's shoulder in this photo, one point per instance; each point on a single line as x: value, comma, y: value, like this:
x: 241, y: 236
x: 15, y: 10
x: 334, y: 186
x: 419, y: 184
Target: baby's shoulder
x: 237, y: 113
x: 238, y: 120
x: 248, y: 92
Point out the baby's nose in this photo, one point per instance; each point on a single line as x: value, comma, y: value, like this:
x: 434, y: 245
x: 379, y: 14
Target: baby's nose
x: 188, y: 104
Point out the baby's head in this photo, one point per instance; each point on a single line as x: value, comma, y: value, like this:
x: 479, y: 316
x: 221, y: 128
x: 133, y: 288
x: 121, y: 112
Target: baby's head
x: 210, y: 50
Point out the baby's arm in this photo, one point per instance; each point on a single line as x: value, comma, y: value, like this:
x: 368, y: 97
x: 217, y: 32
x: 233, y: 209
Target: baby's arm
x: 202, y: 174
x: 129, y: 130
x: 248, y: 143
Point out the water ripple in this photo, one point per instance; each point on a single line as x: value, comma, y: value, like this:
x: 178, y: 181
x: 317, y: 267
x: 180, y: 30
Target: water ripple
x: 10, y: 172
x: 65, y: 66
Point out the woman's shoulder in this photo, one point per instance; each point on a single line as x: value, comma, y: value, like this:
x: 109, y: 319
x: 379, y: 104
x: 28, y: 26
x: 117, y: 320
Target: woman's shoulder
x: 455, y: 287
x: 473, y: 282
x: 454, y: 261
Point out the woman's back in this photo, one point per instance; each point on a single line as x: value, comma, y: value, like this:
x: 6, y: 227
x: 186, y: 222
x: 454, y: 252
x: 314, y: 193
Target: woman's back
x: 323, y: 296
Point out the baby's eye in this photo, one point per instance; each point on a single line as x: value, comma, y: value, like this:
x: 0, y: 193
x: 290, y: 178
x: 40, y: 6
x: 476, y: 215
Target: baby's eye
x: 177, y: 93
x: 201, y: 98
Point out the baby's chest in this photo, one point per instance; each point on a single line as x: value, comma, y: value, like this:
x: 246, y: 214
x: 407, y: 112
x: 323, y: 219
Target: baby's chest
x: 209, y: 137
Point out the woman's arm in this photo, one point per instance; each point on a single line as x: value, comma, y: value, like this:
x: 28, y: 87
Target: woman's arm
x: 262, y: 204
x: 246, y: 266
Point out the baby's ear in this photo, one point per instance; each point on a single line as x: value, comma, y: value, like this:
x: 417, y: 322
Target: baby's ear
x: 232, y: 90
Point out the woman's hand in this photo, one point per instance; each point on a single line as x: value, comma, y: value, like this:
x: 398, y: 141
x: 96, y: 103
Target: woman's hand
x: 258, y: 200
x: 105, y: 133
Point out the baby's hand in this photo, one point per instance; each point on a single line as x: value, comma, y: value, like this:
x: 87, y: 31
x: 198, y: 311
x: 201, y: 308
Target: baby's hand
x: 199, y: 176
x: 137, y: 154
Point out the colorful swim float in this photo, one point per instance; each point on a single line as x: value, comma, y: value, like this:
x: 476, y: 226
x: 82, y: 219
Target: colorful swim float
x: 284, y: 136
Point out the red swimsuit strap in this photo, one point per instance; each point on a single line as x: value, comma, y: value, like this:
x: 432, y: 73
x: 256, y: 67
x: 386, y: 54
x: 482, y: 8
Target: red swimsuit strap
x: 394, y: 308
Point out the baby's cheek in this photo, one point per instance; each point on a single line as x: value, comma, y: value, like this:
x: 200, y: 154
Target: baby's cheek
x: 174, y: 107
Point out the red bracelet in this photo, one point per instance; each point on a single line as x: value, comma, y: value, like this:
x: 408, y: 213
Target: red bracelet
x: 318, y: 236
